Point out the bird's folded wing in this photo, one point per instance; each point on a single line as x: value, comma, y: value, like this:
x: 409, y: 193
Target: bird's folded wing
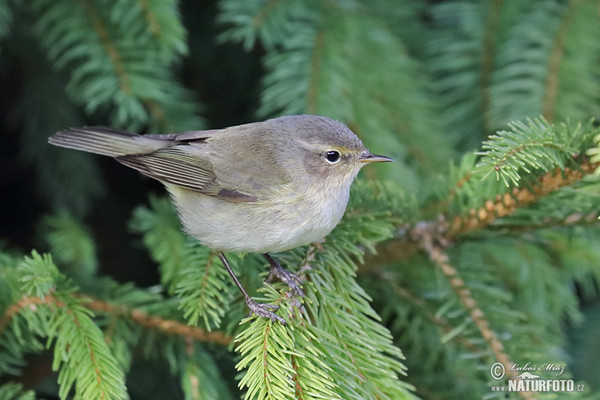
x: 176, y: 166
x: 172, y: 165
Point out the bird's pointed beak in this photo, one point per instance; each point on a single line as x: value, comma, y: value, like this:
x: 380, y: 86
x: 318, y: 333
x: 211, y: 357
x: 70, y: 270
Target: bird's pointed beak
x: 367, y: 158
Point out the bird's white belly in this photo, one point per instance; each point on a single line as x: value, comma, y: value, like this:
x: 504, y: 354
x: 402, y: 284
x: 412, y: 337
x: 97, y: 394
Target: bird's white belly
x: 256, y: 227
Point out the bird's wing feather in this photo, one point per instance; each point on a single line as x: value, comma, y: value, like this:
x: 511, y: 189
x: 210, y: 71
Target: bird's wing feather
x: 177, y: 165
x: 186, y: 136
x: 173, y: 165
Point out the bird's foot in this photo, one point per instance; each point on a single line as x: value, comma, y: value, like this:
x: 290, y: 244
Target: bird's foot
x: 289, y: 278
x: 262, y: 310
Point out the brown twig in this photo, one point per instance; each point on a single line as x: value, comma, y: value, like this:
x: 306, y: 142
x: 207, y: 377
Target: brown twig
x: 26, y: 301
x: 116, y: 58
x: 435, y: 246
x: 518, y: 197
x: 150, y: 18
x: 167, y: 326
x: 555, y: 62
x: 32, y: 302
x: 312, y: 94
x: 109, y: 46
x: 404, y: 247
x: 487, y: 58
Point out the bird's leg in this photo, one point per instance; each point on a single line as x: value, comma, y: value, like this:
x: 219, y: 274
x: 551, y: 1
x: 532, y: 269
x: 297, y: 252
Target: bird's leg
x: 257, y: 308
x: 292, y: 280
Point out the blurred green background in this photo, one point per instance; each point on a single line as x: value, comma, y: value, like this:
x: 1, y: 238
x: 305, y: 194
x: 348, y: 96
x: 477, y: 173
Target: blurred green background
x: 425, y: 82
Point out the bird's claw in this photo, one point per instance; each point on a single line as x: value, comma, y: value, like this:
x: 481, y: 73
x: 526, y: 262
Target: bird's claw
x: 262, y: 310
x: 292, y: 280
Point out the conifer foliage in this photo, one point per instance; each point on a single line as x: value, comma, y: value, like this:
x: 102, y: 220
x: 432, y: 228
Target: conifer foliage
x: 474, y: 253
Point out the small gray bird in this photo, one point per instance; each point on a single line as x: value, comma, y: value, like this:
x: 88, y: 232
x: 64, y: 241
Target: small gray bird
x: 261, y: 187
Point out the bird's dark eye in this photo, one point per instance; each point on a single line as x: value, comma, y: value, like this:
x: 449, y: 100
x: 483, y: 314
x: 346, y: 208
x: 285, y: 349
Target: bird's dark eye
x: 332, y: 156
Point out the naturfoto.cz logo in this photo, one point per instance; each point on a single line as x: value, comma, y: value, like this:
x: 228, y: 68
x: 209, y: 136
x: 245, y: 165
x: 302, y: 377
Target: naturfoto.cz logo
x: 529, y: 378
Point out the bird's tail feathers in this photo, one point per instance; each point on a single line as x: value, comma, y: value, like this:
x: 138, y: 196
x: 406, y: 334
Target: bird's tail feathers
x: 104, y: 141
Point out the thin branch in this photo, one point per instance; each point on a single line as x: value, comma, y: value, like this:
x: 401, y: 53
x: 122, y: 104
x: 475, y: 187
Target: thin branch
x: 158, y: 114
x: 556, y: 57
x: 576, y: 218
x: 91, y: 354
x: 315, y: 65
x: 26, y: 301
x: 546, y: 143
x: 32, y: 302
x: 404, y: 247
x: 435, y: 246
x: 194, y: 383
x: 487, y: 58
x: 150, y: 18
x: 440, y: 258
x: 109, y: 46
x: 155, y: 110
x: 518, y: 197
x: 167, y: 326
x: 267, y: 9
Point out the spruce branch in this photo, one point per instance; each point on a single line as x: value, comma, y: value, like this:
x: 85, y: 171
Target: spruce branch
x: 203, y: 286
x: 525, y: 62
x: 164, y: 325
x: 403, y: 247
x: 266, y: 349
x: 490, y: 32
x: 535, y: 145
x: 472, y: 204
x: 270, y: 21
x: 116, y: 60
x: 456, y: 53
x: 312, y: 93
x: 341, y: 307
x: 518, y: 198
x: 81, y: 356
x: 110, y: 48
x: 163, y: 21
x: 15, y: 391
x: 71, y: 243
x: 544, y: 64
x: 421, y: 304
x: 429, y: 239
x: 579, y: 80
x: 26, y: 301
x: 200, y: 377
x: 556, y: 58
x: 335, y: 319
x: 162, y: 236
